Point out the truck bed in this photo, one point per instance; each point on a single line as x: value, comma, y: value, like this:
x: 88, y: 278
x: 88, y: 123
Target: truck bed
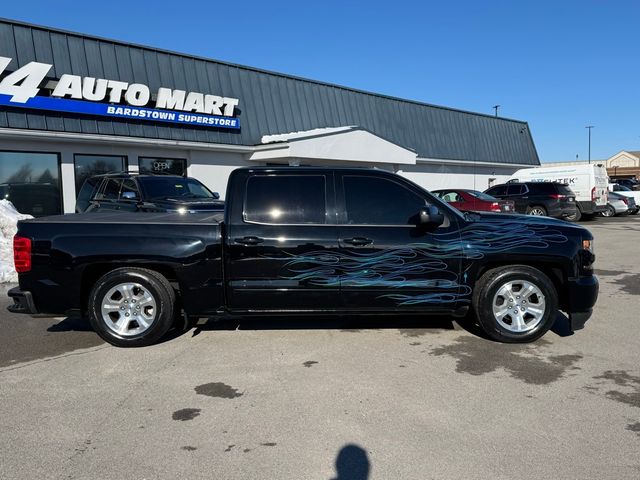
x: 73, y: 250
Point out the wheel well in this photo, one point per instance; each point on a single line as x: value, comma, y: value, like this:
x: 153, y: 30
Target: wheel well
x: 93, y: 272
x: 555, y: 274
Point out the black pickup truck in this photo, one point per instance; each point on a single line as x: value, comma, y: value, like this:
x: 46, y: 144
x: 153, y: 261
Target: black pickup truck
x: 304, y: 240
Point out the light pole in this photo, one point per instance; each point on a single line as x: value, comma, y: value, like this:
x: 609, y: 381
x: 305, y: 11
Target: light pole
x: 589, y: 127
x: 496, y: 107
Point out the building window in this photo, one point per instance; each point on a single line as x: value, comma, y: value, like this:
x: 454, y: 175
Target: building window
x: 31, y: 181
x: 88, y: 165
x: 154, y: 165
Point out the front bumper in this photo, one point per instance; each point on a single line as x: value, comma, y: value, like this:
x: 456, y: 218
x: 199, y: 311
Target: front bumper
x: 22, y: 302
x: 583, y: 294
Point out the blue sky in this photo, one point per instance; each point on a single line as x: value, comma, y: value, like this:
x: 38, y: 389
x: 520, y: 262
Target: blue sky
x: 560, y: 65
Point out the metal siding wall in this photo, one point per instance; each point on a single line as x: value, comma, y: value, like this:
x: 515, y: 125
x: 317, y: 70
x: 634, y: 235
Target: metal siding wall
x: 269, y: 103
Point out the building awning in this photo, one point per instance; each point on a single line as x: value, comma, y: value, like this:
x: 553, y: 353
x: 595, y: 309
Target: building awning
x: 344, y: 144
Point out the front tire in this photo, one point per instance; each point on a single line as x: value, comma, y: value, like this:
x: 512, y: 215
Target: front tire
x: 131, y: 307
x: 515, y: 304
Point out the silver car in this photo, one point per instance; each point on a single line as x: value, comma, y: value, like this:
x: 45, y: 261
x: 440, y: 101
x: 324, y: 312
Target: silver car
x: 619, y: 205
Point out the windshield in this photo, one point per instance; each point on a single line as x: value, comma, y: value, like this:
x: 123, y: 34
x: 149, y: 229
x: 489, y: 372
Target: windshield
x: 482, y: 196
x: 174, y: 187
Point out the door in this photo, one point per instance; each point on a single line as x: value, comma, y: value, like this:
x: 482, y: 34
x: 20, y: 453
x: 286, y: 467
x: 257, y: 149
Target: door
x: 518, y: 194
x: 386, y: 261
x: 282, y: 253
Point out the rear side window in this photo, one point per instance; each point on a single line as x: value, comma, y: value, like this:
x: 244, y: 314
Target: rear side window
x: 286, y: 199
x: 379, y: 201
x: 498, y: 190
x: 543, y: 188
x: 565, y: 190
x: 452, y: 197
x: 515, y: 189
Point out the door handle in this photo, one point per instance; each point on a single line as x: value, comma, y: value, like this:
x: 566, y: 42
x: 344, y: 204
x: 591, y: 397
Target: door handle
x: 358, y: 241
x: 249, y: 240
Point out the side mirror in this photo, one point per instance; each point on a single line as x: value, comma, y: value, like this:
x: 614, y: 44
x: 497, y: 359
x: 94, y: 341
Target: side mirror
x: 430, y: 217
x: 216, y: 195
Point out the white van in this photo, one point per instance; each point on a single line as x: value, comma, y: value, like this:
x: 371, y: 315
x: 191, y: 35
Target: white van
x: 589, y: 182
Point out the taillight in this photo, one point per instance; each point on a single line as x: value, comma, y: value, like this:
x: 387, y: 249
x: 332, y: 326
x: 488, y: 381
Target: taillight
x: 22, y: 254
x: 593, y: 194
x: 557, y: 196
x: 495, y: 207
x: 626, y: 202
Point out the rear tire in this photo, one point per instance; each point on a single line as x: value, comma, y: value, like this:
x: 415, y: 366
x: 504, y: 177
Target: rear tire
x: 608, y: 211
x: 576, y: 217
x: 131, y: 307
x: 515, y: 304
x: 537, y: 210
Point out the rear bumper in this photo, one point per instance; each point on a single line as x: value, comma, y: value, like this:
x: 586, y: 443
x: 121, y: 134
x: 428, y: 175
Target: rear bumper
x: 590, y: 207
x: 562, y: 210
x: 22, y: 302
x: 583, y: 294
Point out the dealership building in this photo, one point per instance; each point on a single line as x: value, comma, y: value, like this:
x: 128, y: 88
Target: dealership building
x: 73, y: 105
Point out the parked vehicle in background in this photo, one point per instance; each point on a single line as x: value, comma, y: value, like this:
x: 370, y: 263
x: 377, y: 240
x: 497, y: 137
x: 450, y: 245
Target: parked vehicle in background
x: 131, y: 192
x: 474, y: 201
x: 588, y: 182
x: 305, y: 240
x: 630, y: 183
x: 618, y: 205
x: 627, y: 192
x: 550, y: 199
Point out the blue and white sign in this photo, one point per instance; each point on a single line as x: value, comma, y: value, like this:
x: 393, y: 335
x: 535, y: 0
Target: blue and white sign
x: 119, y: 111
x: 86, y: 96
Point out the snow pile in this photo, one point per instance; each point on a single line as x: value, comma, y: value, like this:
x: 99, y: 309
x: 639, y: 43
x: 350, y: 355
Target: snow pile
x: 9, y: 217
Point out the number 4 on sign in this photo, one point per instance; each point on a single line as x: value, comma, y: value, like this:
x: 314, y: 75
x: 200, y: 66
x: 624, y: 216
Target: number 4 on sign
x: 24, y: 83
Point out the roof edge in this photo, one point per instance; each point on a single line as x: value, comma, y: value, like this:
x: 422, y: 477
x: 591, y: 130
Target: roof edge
x: 253, y: 69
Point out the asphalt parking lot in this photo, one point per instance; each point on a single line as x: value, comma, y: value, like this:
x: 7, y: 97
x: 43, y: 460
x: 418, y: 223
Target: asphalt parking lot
x: 334, y: 399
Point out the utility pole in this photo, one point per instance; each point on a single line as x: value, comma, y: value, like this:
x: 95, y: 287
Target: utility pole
x: 496, y: 107
x: 589, y: 127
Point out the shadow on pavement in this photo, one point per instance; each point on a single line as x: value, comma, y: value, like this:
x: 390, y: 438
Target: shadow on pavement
x: 352, y: 463
x: 71, y: 324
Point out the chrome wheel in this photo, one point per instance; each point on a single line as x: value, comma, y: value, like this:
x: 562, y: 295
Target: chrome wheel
x: 128, y: 309
x: 608, y: 211
x: 519, y: 306
x: 537, y: 211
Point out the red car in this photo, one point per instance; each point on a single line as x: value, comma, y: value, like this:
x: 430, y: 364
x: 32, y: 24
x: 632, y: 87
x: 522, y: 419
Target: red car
x: 474, y: 201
